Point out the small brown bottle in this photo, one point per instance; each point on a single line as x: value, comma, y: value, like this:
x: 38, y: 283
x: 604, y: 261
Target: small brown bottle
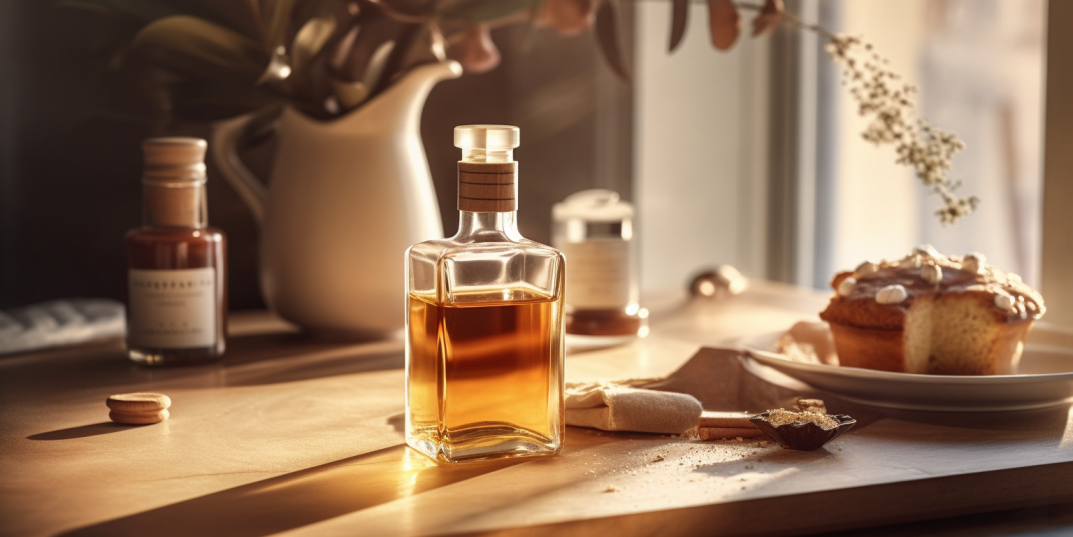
x: 177, y: 301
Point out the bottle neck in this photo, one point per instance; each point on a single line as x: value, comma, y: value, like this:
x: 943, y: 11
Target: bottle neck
x: 483, y: 227
x: 174, y: 204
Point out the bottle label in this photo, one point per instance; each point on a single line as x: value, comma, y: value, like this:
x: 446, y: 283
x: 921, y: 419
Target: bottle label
x: 598, y: 273
x: 172, y: 309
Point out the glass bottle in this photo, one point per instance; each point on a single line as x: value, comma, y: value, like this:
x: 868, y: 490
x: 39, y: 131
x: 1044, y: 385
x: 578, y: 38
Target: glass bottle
x: 484, y: 347
x: 177, y: 276
x: 594, y: 230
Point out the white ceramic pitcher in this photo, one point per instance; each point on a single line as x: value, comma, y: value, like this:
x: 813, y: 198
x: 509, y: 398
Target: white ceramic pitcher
x: 346, y: 198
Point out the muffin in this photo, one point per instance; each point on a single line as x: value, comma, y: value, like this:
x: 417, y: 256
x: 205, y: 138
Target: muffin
x: 929, y: 313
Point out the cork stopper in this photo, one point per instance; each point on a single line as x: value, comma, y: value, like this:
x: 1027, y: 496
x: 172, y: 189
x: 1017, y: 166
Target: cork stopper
x: 174, y: 182
x: 487, y: 173
x: 175, y: 158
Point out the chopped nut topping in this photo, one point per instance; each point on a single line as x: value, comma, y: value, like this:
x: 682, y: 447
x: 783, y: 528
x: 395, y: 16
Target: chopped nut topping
x: 911, y: 261
x: 865, y: 269
x: 931, y: 273
x: 1004, y: 302
x: 926, y: 250
x: 891, y: 294
x: 974, y: 262
x: 846, y: 286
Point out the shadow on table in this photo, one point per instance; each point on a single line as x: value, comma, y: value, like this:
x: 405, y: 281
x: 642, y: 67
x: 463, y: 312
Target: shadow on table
x: 276, y: 358
x: 298, y: 499
x: 287, y: 358
x: 776, y: 460
x: 250, y: 360
x: 83, y: 431
x: 719, y: 381
x: 398, y: 422
x: 1048, y: 419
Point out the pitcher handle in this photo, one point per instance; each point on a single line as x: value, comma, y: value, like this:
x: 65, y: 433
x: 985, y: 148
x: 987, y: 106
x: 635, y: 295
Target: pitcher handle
x: 224, y: 151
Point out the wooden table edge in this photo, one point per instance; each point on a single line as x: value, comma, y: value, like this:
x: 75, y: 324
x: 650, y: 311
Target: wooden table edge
x: 837, y: 510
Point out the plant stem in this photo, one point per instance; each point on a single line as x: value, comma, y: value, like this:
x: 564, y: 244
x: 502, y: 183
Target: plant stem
x: 791, y: 19
x: 787, y: 17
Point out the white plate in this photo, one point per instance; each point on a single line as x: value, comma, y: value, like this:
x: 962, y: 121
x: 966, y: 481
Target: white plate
x: 1046, y: 380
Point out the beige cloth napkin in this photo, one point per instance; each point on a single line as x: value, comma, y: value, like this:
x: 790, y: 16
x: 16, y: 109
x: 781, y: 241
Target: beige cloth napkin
x: 621, y: 406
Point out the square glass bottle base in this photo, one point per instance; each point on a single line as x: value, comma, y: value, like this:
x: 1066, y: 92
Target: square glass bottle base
x: 482, y: 442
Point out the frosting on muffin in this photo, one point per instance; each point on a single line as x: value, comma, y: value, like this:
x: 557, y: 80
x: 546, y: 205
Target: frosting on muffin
x: 927, y: 272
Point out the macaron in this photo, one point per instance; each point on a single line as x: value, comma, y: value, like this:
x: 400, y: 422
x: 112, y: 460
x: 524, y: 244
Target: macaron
x: 138, y: 408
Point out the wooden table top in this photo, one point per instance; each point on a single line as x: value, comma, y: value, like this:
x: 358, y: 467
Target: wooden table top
x: 300, y: 436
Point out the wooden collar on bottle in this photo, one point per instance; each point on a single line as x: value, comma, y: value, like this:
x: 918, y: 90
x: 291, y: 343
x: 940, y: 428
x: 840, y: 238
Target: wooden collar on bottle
x: 488, y: 187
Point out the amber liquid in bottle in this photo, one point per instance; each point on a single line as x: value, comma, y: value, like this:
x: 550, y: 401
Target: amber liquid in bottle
x: 487, y: 364
x: 177, y: 296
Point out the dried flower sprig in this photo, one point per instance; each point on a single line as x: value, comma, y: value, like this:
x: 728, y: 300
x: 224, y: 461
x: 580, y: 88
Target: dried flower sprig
x: 887, y: 101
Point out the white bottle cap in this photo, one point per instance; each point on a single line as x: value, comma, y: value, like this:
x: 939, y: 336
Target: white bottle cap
x: 488, y: 137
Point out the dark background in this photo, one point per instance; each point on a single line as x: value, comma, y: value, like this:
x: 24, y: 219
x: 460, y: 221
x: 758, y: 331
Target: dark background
x: 70, y: 161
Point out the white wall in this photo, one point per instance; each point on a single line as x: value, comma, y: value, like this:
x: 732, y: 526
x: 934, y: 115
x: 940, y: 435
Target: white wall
x: 700, y: 160
x: 876, y: 201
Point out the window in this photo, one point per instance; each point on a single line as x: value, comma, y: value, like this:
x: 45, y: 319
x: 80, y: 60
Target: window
x: 754, y: 157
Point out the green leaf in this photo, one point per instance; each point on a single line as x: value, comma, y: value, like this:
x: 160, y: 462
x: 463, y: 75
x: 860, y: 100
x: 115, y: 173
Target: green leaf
x: 278, y: 23
x: 679, y: 18
x: 309, y: 40
x: 237, y: 16
x: 607, y: 35
x: 309, y: 9
x: 477, y: 11
x: 197, y: 49
x: 143, y: 10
